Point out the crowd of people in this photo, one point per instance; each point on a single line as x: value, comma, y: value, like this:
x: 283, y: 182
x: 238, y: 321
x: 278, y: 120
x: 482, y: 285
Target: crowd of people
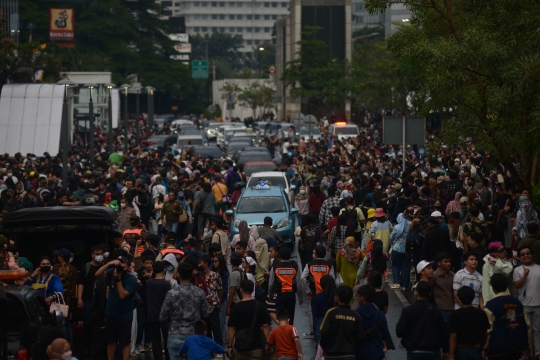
x: 173, y: 282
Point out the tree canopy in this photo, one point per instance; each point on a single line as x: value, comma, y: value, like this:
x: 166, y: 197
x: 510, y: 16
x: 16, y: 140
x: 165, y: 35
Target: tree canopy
x: 479, y: 64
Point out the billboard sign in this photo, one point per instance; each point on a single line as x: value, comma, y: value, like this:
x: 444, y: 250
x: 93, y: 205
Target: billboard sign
x: 183, y: 57
x: 183, y: 48
x: 183, y: 38
x: 61, y: 25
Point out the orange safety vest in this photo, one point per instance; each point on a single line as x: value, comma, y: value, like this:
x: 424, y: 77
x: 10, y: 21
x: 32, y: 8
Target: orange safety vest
x: 317, y: 269
x: 171, y: 251
x: 285, y: 273
x: 132, y: 235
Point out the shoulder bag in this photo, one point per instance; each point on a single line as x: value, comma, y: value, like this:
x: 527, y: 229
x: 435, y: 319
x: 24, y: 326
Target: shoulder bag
x: 243, y: 338
x: 60, y: 305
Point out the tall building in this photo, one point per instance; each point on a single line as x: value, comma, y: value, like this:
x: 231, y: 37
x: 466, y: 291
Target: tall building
x: 334, y: 17
x: 361, y: 18
x: 253, y: 20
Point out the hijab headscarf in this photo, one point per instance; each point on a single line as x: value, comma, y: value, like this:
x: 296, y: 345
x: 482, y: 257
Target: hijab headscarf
x: 254, y: 231
x: 526, y: 209
x: 301, y: 196
x: 328, y: 285
x: 243, y: 231
x: 261, y: 252
x: 183, y: 201
x: 351, y: 254
x: 56, y: 348
x: 454, y: 205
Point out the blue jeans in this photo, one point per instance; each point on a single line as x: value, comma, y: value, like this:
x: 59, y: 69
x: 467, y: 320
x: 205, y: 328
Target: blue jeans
x: 401, y: 267
x: 533, y: 312
x: 424, y: 356
x: 87, y: 323
x: 446, y: 315
x: 174, y: 343
x: 172, y: 227
x: 222, y: 315
x: 468, y: 353
x: 317, y: 331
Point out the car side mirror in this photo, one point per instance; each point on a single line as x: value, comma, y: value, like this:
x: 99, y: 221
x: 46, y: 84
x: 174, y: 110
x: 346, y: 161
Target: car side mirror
x: 229, y: 212
x: 293, y: 187
x: 294, y: 211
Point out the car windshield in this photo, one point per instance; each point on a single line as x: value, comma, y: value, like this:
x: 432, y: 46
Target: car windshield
x: 235, y: 146
x: 259, y: 168
x: 272, y: 180
x: 213, y: 125
x: 313, y: 132
x: 185, y: 142
x: 346, y: 130
x: 261, y: 204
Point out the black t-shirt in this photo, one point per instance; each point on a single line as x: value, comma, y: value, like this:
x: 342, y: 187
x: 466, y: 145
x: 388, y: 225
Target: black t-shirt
x: 87, y: 278
x: 469, y: 324
x: 242, y: 316
x: 156, y: 289
x: 381, y: 300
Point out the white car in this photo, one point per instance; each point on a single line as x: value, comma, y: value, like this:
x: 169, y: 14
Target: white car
x: 274, y: 178
x: 176, y: 124
x: 343, y: 130
x: 228, y: 131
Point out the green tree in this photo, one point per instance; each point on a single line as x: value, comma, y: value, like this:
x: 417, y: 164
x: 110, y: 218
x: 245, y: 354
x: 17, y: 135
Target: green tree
x: 316, y: 74
x: 221, y: 46
x: 252, y: 94
x: 479, y: 63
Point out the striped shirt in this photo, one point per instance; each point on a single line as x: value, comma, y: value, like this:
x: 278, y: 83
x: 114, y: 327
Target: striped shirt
x: 325, y: 215
x: 472, y: 280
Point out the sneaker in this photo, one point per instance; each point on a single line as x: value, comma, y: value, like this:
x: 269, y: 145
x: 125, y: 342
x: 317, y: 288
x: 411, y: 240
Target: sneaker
x: 395, y: 287
x: 139, y: 349
x: 309, y: 335
x: 219, y: 357
x: 403, y: 288
x: 148, y: 348
x: 135, y: 353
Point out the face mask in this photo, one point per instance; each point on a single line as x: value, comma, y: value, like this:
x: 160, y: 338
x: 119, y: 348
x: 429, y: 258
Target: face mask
x: 98, y: 258
x: 379, y: 187
x: 45, y: 269
x: 10, y: 175
x: 302, y: 192
x: 66, y: 356
x: 123, y: 205
x: 169, y: 268
x: 388, y: 191
x: 415, y: 210
x: 181, y: 198
x: 70, y: 260
x: 106, y: 254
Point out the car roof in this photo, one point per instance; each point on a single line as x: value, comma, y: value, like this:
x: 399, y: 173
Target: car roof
x: 263, y: 174
x: 256, y: 163
x: 275, y: 190
x: 190, y: 136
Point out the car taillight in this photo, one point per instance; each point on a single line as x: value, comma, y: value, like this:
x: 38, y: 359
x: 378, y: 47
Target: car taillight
x: 22, y: 354
x: 150, y: 143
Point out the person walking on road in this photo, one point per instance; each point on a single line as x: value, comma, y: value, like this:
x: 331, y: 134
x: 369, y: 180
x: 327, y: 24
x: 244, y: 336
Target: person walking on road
x: 471, y: 278
x: 421, y: 327
x: 443, y: 281
x: 156, y: 291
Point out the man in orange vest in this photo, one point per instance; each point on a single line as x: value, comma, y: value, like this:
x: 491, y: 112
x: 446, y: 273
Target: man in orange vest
x: 136, y: 232
x: 315, y: 270
x: 284, y: 282
x: 170, y: 248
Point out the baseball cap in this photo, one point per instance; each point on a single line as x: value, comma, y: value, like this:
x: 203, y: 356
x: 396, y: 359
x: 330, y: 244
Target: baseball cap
x: 464, y: 199
x: 422, y: 265
x: 436, y: 214
x: 65, y: 253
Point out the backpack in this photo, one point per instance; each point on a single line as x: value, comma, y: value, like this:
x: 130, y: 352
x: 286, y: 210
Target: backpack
x: 243, y: 338
x: 200, y: 205
x: 352, y: 218
x: 242, y: 278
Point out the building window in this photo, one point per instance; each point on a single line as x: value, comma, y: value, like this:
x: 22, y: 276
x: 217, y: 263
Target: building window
x: 214, y: 16
x: 204, y: 29
x: 214, y: 29
x: 239, y: 17
x: 196, y: 16
x: 239, y: 29
x: 257, y: 4
x: 197, y: 29
x: 166, y: 3
x: 284, y: 4
x: 196, y: 3
x: 257, y: 29
x: 274, y: 4
x: 231, y: 29
x: 204, y: 16
x: 222, y: 29
x: 249, y: 29
x: 249, y: 42
x: 266, y: 4
x: 266, y: 29
x: 274, y: 17
x: 231, y: 4
x: 231, y: 17
x: 222, y: 4
x: 266, y: 17
x: 204, y: 4
x: 257, y: 17
x: 221, y: 17
x: 176, y: 4
x: 214, y: 3
x: 167, y: 13
x: 248, y: 17
x: 257, y: 42
x: 239, y: 4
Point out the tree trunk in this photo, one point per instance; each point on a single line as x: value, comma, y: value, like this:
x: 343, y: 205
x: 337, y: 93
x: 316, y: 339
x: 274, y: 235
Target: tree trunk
x: 534, y: 168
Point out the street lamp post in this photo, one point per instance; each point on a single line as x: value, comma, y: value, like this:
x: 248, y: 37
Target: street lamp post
x: 110, y: 86
x: 125, y: 88
x: 64, y: 140
x: 91, y: 86
x: 150, y: 90
x: 137, y: 112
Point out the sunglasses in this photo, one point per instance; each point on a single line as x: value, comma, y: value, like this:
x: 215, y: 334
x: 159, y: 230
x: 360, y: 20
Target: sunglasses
x: 525, y: 254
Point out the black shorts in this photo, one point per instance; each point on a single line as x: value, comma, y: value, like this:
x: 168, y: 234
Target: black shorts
x: 118, y: 331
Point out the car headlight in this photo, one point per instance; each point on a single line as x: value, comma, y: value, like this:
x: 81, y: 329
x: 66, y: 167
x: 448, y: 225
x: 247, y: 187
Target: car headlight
x: 283, y: 222
x: 237, y: 222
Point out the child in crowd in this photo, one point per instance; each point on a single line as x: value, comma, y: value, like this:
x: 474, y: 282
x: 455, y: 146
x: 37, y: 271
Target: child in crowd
x: 199, y: 346
x: 284, y: 339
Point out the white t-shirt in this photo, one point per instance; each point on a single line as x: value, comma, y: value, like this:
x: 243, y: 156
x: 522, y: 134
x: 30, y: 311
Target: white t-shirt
x: 474, y: 281
x: 529, y: 294
x: 251, y: 277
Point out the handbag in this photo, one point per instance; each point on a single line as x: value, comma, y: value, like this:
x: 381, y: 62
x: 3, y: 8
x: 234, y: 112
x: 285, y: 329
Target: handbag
x: 182, y: 218
x: 60, y: 305
x: 224, y: 198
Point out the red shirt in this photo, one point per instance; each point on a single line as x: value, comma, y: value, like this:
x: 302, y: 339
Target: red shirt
x: 332, y: 222
x: 283, y: 337
x: 315, y: 203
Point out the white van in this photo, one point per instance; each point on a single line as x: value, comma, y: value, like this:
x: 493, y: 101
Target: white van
x: 187, y: 140
x: 175, y: 124
x: 343, y: 130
